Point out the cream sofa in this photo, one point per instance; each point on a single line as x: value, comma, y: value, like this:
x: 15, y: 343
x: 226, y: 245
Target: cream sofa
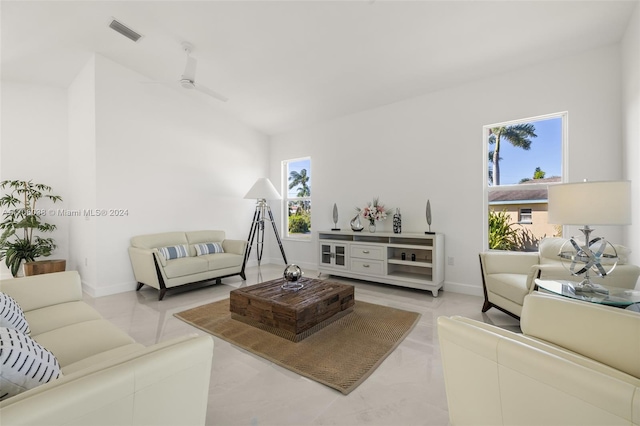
x: 508, y: 276
x: 150, y: 267
x: 108, y: 378
x: 576, y: 363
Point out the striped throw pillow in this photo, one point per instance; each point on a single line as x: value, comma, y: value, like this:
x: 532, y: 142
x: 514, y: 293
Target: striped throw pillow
x: 174, y: 252
x: 208, y: 248
x: 24, y: 363
x: 11, y: 314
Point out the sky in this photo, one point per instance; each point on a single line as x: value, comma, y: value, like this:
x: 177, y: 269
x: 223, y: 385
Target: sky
x: 545, y: 152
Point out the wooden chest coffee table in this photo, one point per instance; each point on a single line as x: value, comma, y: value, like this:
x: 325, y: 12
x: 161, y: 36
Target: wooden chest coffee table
x: 292, y: 314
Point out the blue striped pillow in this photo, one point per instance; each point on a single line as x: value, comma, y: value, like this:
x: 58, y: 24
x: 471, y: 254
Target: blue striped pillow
x: 208, y: 248
x: 174, y: 252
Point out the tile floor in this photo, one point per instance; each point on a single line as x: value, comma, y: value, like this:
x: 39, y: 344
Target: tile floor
x: 406, y: 389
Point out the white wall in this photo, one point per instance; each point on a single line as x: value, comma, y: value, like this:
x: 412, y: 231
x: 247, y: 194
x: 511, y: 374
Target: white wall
x: 430, y: 147
x: 631, y: 126
x: 34, y: 147
x: 173, y: 161
x: 82, y: 174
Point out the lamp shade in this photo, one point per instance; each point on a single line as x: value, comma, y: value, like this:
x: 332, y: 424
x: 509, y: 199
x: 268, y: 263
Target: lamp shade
x: 263, y: 189
x: 590, y: 203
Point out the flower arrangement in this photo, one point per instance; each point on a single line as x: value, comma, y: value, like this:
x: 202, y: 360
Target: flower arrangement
x: 374, y: 211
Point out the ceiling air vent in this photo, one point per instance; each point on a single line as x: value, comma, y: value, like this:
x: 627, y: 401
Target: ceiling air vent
x: 124, y: 30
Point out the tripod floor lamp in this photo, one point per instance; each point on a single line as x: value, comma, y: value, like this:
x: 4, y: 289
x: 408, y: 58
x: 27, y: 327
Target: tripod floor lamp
x: 262, y: 191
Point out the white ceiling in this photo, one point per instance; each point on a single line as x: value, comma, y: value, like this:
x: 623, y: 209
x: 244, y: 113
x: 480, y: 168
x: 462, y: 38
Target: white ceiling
x: 289, y: 64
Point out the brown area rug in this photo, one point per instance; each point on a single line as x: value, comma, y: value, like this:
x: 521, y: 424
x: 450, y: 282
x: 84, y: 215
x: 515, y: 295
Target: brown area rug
x: 341, y: 355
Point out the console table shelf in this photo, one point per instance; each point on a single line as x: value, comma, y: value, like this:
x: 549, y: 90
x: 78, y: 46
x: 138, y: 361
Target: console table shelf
x: 379, y: 257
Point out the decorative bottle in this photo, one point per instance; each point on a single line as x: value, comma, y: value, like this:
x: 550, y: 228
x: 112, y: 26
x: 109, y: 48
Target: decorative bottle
x: 397, y: 222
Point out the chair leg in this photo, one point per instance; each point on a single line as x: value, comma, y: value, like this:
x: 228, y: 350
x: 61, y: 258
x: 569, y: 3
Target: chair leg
x: 487, y: 305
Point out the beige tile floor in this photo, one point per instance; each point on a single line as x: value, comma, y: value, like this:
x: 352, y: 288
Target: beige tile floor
x: 406, y: 389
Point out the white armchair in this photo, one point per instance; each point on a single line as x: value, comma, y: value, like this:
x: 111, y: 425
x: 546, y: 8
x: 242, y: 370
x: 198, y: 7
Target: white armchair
x: 507, y: 276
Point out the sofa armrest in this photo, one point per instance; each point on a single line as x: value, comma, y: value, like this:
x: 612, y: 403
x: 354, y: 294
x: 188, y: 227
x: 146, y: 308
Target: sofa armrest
x: 39, y: 291
x: 144, y: 265
x: 164, y: 384
x: 234, y: 246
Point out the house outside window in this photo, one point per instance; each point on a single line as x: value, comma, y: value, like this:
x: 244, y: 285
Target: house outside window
x: 296, y: 183
x: 521, y: 159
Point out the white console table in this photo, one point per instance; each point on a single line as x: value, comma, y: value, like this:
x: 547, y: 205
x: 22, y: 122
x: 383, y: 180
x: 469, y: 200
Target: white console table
x: 378, y: 257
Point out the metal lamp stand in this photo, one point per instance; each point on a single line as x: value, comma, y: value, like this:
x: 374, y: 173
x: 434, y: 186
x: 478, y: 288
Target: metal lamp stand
x: 257, y: 227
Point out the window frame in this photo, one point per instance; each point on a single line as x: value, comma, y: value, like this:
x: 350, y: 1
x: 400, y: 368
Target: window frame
x: 286, y: 199
x: 564, y: 116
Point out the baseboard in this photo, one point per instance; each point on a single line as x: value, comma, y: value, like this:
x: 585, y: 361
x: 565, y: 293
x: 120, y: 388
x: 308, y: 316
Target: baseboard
x: 107, y: 291
x: 305, y: 266
x: 463, y: 288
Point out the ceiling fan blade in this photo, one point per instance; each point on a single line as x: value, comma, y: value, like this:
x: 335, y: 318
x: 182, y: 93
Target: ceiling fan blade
x: 210, y: 92
x: 190, y: 70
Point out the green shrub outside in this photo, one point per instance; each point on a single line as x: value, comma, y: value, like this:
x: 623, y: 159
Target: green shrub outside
x: 300, y: 223
x: 502, y: 233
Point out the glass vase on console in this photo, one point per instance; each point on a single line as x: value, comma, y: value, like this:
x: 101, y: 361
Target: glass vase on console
x: 372, y: 226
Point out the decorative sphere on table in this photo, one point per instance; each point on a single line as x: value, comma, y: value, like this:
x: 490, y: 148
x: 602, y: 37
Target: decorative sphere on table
x: 292, y: 273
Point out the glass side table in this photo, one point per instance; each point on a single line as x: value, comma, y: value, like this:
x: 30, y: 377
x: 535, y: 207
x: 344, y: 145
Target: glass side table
x: 616, y: 296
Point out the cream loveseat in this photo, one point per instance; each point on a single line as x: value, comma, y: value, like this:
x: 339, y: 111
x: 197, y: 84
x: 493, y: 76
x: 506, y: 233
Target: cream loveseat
x: 576, y: 363
x: 160, y: 271
x: 508, y: 276
x: 107, y: 378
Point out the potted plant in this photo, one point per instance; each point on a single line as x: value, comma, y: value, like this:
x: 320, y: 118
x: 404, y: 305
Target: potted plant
x: 20, y: 218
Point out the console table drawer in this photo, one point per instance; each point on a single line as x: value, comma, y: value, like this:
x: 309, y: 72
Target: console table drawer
x: 367, y: 252
x: 367, y: 266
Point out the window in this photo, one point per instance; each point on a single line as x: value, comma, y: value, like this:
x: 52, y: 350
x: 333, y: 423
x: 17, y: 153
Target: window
x: 526, y: 216
x: 297, y: 198
x: 521, y: 159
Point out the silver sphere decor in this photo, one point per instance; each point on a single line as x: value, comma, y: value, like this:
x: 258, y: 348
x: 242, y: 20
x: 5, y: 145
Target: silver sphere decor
x: 593, y: 257
x: 292, y: 273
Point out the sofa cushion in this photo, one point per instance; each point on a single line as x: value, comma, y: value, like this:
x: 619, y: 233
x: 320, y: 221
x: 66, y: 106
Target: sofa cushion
x: 25, y: 364
x: 509, y: 286
x: 61, y: 315
x: 186, y: 266
x: 603, y: 333
x: 222, y: 260
x: 208, y: 248
x: 11, y: 314
x: 103, y: 357
x: 195, y: 237
x: 76, y: 342
x: 174, y: 252
x: 151, y: 241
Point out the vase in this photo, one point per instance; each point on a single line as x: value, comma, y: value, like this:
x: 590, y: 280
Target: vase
x: 355, y: 223
x: 397, y: 222
x: 372, y: 227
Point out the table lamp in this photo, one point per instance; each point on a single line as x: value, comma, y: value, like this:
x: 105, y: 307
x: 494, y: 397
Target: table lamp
x: 586, y: 204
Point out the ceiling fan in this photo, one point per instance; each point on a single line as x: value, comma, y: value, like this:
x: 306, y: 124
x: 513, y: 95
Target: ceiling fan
x: 187, y: 80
